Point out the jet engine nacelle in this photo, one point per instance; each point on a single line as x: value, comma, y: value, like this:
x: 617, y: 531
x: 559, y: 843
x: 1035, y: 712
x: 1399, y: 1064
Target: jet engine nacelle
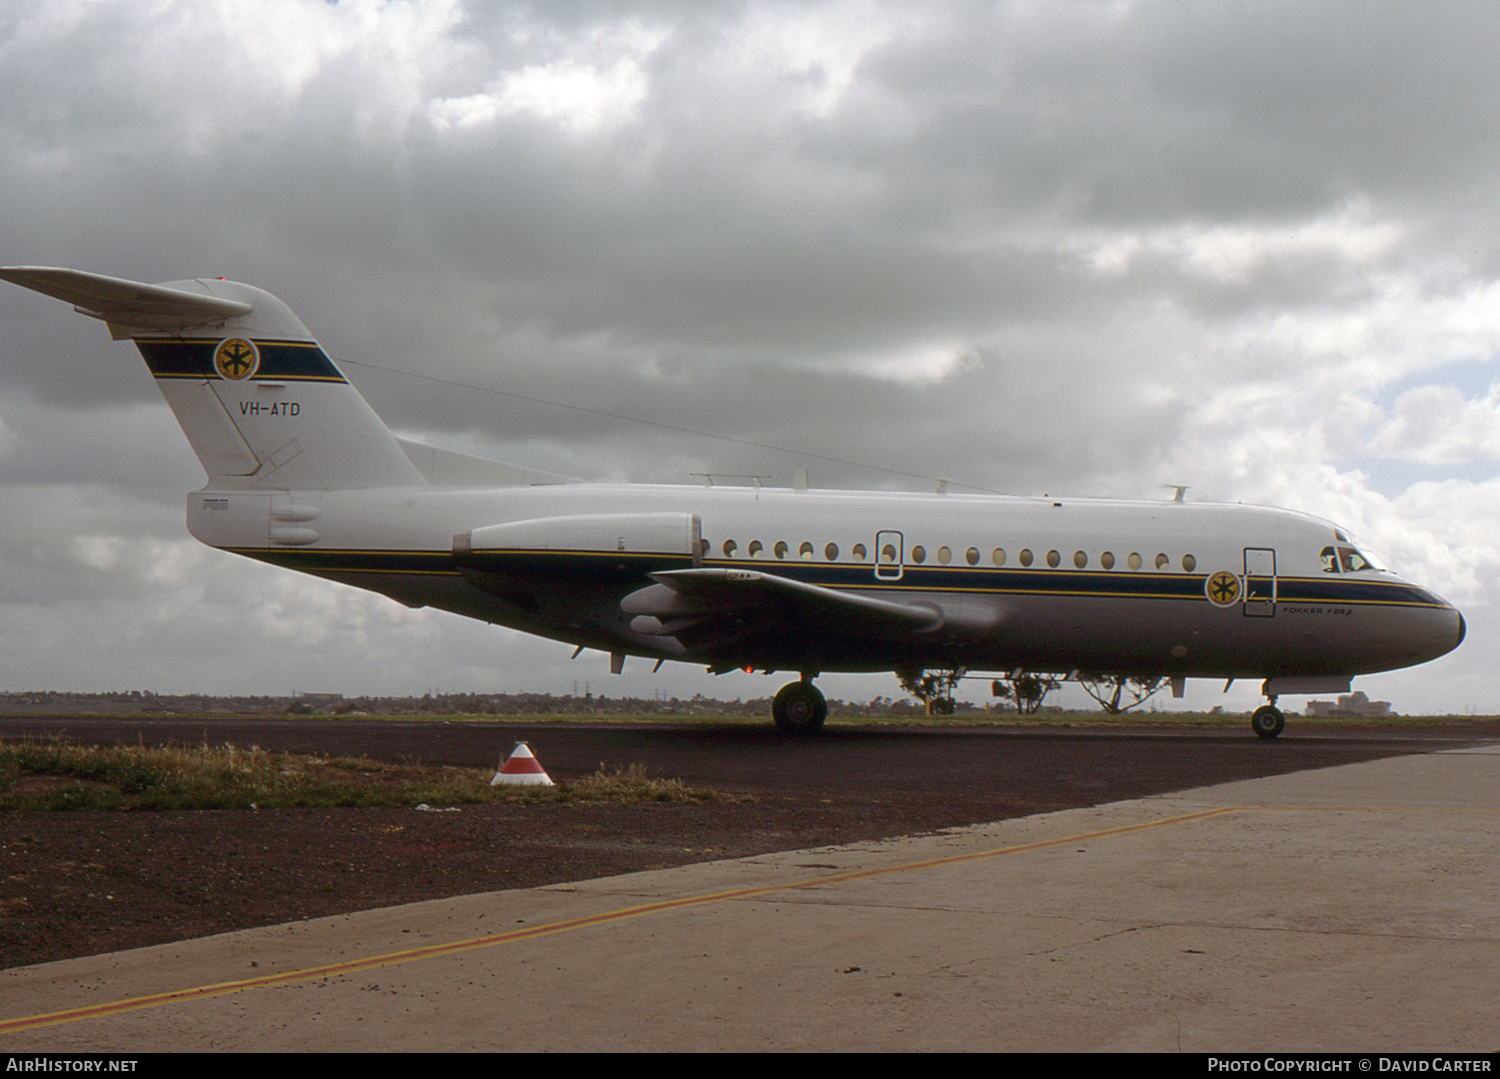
x: 678, y: 534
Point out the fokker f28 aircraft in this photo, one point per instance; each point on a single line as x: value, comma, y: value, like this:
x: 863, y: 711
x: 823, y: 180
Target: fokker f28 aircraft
x: 303, y: 474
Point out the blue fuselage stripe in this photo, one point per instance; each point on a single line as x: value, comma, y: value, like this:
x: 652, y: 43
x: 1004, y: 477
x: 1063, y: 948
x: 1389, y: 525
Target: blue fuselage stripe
x: 280, y: 361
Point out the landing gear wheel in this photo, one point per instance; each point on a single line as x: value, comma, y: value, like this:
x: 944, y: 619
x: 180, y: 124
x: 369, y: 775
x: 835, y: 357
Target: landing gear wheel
x: 799, y: 708
x: 1267, y: 722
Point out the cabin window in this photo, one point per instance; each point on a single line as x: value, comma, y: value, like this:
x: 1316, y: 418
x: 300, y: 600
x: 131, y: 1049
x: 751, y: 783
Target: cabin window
x: 1025, y: 556
x: 1189, y: 563
x: 805, y: 551
x: 1107, y: 560
x: 859, y: 552
x: 919, y: 554
x: 831, y: 552
x: 1162, y: 561
x: 703, y: 546
x: 945, y: 555
x: 780, y: 549
x: 1054, y: 559
x: 888, y: 553
x: 997, y: 556
x: 1134, y: 561
x: 755, y: 548
x: 1080, y: 559
x: 729, y: 548
x: 972, y: 556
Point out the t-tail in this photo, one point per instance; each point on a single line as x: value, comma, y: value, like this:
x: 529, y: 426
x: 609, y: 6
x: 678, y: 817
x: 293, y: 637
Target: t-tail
x: 260, y: 401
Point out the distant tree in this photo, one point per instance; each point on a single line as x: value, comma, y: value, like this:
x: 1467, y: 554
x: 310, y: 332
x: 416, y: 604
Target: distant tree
x: 935, y: 689
x: 1027, y: 690
x: 1109, y: 690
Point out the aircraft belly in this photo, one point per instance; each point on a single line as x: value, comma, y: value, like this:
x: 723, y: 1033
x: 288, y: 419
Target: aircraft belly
x: 1144, y: 636
x: 1154, y: 637
x: 1101, y: 635
x: 979, y: 631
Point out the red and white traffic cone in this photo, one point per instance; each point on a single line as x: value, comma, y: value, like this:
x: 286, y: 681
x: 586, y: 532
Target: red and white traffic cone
x: 522, y: 769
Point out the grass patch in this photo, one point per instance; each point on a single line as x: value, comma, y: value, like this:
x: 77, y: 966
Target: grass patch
x: 633, y: 784
x: 61, y: 775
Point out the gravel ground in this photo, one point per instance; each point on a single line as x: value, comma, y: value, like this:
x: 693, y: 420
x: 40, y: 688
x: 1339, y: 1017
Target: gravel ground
x: 83, y: 883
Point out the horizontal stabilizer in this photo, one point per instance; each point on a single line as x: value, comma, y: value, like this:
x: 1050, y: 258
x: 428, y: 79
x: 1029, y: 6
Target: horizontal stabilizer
x: 126, y: 303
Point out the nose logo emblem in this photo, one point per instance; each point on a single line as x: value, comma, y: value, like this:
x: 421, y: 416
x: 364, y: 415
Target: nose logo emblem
x: 1222, y: 588
x: 236, y: 359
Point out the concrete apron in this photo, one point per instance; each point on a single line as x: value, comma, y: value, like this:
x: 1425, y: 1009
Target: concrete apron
x: 1347, y: 909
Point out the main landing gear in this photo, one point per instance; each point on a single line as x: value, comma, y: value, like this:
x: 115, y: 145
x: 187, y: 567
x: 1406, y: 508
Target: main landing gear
x: 799, y: 708
x: 1267, y: 721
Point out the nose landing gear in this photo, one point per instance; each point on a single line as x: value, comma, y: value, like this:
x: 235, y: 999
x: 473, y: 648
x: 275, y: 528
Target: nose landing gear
x: 1267, y: 721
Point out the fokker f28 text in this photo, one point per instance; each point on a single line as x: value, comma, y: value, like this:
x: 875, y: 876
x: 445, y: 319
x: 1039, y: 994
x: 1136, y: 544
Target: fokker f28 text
x: 303, y: 474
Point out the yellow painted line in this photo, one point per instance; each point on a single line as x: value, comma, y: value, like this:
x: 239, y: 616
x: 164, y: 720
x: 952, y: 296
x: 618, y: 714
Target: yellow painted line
x: 433, y: 951
x: 1445, y: 810
x: 287, y: 342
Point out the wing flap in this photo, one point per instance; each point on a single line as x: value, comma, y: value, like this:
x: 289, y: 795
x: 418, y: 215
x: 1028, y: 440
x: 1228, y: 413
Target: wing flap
x: 125, y: 303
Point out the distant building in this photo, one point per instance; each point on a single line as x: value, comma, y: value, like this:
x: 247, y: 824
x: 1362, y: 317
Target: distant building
x: 1355, y: 704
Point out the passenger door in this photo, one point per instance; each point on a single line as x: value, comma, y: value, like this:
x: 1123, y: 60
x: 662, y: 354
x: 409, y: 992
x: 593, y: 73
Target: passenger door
x: 1260, y: 582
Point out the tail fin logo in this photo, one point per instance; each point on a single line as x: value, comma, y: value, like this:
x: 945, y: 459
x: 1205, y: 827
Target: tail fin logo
x: 236, y: 359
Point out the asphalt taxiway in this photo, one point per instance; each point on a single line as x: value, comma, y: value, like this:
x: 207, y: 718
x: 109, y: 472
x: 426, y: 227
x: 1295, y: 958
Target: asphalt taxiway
x: 1342, y: 909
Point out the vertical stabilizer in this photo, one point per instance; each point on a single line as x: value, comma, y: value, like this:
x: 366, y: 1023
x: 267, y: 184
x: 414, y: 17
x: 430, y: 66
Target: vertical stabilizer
x: 262, y: 404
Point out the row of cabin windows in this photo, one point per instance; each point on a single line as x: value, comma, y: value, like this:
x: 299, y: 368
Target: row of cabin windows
x: 944, y: 555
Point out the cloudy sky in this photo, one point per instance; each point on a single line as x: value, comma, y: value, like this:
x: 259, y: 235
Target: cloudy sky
x: 1076, y: 247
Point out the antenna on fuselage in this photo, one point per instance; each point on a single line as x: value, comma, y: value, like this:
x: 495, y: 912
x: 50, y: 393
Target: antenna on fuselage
x: 1180, y: 488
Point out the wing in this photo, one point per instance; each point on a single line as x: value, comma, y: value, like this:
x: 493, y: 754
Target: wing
x: 704, y: 610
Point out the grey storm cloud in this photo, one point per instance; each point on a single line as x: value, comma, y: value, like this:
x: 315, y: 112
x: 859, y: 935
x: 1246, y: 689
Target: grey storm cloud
x: 1083, y: 247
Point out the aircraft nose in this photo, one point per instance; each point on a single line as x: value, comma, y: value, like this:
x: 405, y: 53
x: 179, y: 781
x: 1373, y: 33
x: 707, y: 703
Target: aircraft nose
x: 1452, y: 633
x: 1432, y: 629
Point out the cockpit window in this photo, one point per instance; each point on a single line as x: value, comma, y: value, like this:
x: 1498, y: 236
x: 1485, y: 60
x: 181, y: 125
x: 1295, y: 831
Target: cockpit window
x: 1343, y: 559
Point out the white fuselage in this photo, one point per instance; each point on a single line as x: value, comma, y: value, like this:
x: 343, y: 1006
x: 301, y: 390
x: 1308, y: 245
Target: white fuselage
x: 1043, y: 584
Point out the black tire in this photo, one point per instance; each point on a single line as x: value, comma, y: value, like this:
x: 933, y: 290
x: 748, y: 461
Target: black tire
x: 1267, y: 722
x: 799, y: 708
